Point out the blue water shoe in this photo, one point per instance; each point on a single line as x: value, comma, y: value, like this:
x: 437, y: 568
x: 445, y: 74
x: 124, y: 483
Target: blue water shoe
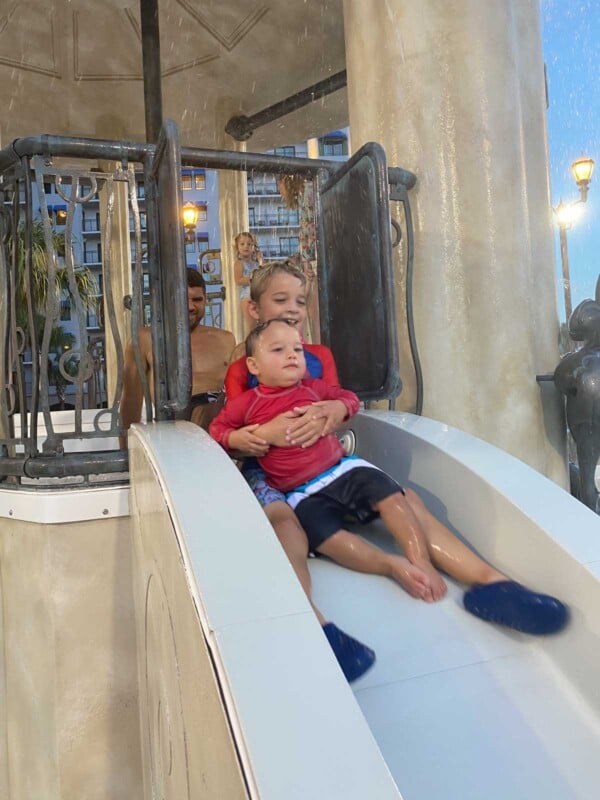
x: 354, y: 657
x: 508, y: 603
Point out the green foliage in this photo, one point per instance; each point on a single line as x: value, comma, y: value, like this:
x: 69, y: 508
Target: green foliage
x: 40, y: 288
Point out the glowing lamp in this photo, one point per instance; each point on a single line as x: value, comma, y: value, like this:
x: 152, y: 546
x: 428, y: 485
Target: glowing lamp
x: 582, y: 172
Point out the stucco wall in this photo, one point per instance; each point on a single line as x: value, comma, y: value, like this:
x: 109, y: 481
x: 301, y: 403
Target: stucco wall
x: 70, y: 723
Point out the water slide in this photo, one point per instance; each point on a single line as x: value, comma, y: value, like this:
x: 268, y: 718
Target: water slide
x: 453, y: 709
x: 156, y: 643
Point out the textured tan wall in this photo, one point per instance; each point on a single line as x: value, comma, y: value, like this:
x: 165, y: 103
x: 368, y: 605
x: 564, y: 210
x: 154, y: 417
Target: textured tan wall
x: 188, y: 751
x: 454, y: 91
x: 69, y: 658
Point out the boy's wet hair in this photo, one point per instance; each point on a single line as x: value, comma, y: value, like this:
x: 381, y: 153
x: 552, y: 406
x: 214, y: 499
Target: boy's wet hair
x: 195, y: 279
x: 261, y: 277
x: 253, y: 337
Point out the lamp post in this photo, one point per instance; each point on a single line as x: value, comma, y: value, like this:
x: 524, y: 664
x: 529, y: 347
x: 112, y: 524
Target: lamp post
x: 566, y: 214
x: 189, y: 214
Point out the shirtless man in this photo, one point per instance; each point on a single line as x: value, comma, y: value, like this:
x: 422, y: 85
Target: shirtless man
x: 211, y: 354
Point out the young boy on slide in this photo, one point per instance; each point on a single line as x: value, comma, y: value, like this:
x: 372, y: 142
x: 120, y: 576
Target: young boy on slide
x: 323, y: 486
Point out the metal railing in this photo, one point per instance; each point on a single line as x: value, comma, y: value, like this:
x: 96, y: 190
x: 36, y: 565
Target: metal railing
x: 39, y: 268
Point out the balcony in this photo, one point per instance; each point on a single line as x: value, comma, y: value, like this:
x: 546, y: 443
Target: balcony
x: 262, y: 191
x: 274, y: 222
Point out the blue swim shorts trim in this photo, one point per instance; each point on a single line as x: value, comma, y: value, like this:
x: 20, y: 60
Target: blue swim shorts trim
x: 255, y: 478
x: 322, y: 480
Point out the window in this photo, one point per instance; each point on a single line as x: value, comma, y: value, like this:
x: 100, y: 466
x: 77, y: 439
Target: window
x: 186, y: 183
x: 333, y: 146
x: 65, y: 309
x: 141, y: 190
x: 202, y: 242
x: 145, y: 282
x: 200, y: 180
x: 190, y: 247
x: 250, y: 186
x: 289, y: 150
x: 289, y: 245
x: 95, y: 317
x: 251, y: 217
x: 202, y: 212
x: 91, y: 223
x: 92, y: 254
x: 49, y: 187
x: 57, y: 215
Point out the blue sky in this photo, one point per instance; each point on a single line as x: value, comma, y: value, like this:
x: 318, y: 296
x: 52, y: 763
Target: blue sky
x: 571, y: 31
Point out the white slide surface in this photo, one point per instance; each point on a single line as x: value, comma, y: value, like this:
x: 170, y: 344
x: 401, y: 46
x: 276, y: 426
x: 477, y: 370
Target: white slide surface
x: 462, y: 709
x: 459, y: 709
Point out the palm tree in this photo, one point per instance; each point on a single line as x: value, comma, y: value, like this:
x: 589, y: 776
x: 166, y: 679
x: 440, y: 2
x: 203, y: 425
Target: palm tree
x: 84, y: 279
x: 39, y: 292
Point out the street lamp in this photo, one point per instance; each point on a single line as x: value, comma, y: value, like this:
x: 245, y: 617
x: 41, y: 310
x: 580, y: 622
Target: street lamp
x: 566, y: 214
x: 582, y: 172
x: 189, y: 214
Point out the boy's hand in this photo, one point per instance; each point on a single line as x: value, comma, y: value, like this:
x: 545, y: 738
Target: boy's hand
x: 245, y: 440
x: 316, y: 420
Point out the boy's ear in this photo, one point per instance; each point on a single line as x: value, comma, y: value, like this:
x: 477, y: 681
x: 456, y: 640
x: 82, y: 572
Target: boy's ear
x: 252, y: 366
x: 253, y: 310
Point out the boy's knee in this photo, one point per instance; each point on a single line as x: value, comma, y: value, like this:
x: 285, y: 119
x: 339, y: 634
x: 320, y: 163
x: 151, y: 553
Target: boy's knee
x: 413, y: 499
x: 279, y: 511
x: 396, y: 499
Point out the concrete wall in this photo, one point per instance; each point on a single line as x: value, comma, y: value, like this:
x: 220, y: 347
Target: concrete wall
x: 188, y: 749
x: 68, y: 684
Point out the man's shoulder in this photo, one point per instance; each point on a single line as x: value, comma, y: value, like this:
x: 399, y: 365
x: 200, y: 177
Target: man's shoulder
x: 216, y: 335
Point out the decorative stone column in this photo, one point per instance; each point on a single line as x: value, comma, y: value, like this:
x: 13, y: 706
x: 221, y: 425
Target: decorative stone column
x: 233, y: 218
x: 454, y: 91
x: 233, y: 214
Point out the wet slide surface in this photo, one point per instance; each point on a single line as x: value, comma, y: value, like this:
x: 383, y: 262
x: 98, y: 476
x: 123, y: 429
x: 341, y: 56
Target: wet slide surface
x: 461, y: 709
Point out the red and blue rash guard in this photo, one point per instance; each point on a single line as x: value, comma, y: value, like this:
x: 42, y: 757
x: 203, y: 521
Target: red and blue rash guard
x: 319, y: 364
x: 285, y: 467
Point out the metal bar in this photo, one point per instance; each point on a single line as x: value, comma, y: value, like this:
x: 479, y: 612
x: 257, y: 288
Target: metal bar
x: 156, y: 293
x: 564, y: 259
x: 242, y: 127
x: 109, y: 150
x: 166, y: 181
x: 97, y: 463
x: 397, y: 175
x: 151, y: 68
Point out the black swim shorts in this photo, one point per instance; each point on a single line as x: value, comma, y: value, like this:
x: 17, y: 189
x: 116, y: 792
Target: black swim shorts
x: 352, y: 494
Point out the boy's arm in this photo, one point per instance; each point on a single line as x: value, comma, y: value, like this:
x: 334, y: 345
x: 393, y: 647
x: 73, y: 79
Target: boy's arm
x: 323, y: 417
x: 229, y: 419
x: 236, y: 378
x: 229, y: 429
x: 345, y: 396
x: 330, y: 374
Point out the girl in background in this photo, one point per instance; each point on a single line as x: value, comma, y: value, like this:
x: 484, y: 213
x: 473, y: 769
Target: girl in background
x: 249, y: 259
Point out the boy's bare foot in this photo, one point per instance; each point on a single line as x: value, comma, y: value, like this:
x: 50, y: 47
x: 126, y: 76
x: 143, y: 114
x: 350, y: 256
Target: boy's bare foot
x: 436, y: 582
x: 414, y: 580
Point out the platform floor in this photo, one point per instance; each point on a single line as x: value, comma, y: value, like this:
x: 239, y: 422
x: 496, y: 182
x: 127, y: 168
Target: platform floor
x: 461, y: 709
